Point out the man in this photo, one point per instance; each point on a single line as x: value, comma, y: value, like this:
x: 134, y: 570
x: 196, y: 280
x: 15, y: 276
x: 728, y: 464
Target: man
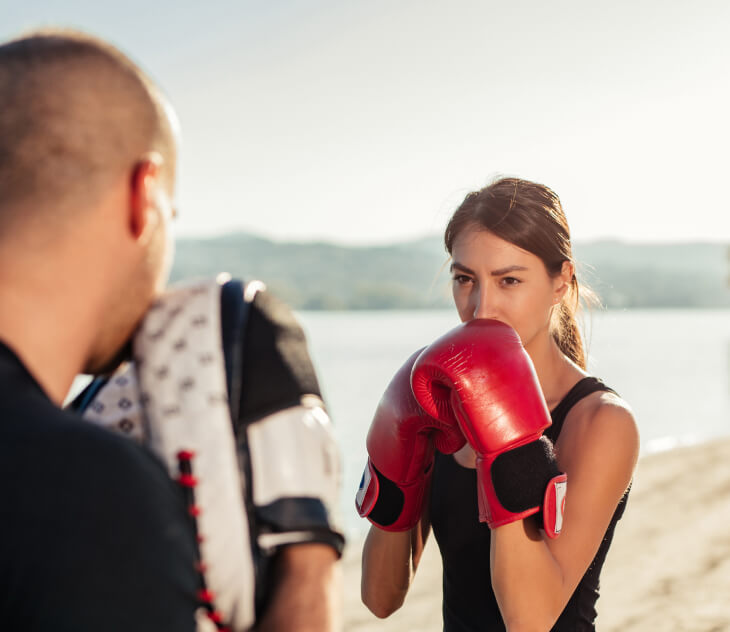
x: 96, y: 534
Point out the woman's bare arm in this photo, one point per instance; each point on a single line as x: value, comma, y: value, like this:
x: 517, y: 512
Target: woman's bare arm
x: 534, y: 577
x: 389, y: 562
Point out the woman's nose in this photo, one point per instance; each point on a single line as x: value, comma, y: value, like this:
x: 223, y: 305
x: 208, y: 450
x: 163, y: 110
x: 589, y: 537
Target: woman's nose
x: 484, y: 305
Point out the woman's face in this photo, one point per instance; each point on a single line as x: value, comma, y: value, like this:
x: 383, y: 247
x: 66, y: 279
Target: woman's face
x: 493, y: 278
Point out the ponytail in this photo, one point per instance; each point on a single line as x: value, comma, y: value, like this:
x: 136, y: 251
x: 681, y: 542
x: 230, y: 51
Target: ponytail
x: 564, y: 323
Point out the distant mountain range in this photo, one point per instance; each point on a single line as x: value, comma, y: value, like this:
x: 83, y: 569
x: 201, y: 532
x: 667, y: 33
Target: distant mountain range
x: 414, y: 274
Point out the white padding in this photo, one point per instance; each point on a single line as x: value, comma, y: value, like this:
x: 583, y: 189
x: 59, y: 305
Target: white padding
x: 294, y: 455
x: 272, y: 541
x: 117, y: 407
x: 178, y: 401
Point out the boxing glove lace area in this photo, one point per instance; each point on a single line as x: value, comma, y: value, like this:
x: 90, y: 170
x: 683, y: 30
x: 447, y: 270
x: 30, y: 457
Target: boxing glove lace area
x: 480, y: 373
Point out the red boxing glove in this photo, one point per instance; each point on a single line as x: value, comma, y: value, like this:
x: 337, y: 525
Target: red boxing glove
x: 481, y: 373
x: 401, y: 448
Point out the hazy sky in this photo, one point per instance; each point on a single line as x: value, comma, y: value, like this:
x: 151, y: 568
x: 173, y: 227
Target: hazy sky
x: 369, y: 121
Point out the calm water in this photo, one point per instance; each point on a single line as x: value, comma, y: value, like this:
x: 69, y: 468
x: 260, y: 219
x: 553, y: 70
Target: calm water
x: 672, y: 366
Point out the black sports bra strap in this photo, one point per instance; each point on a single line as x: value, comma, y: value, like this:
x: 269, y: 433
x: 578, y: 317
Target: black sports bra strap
x: 582, y: 389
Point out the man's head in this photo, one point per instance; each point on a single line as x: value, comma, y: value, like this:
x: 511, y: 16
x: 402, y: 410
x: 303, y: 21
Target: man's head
x: 87, y: 151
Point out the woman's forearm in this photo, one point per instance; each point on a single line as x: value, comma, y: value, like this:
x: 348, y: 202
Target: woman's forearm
x: 528, y: 581
x: 389, y: 560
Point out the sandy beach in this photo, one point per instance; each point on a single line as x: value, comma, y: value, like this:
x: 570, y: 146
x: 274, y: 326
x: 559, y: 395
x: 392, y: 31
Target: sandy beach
x: 668, y: 568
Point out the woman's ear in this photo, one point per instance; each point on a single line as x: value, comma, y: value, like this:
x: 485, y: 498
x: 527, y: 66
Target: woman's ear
x: 564, y: 280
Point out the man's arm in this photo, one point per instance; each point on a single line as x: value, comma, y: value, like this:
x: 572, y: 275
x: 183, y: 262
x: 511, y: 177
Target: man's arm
x: 292, y: 468
x: 306, y: 595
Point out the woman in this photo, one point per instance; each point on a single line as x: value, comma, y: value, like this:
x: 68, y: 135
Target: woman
x: 512, y: 262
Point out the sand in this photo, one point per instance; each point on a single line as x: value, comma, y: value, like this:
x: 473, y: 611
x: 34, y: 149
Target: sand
x: 668, y: 567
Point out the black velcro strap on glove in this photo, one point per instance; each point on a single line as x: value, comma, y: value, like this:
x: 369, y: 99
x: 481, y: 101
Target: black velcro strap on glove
x: 389, y: 504
x: 520, y: 476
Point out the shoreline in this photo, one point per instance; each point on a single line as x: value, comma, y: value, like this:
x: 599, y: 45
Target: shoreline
x: 668, y: 567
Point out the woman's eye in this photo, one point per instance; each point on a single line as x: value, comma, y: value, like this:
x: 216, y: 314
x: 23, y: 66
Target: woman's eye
x: 510, y: 281
x: 462, y: 279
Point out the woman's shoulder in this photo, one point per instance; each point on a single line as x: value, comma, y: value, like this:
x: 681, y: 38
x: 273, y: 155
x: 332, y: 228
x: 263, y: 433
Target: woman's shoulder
x: 604, y: 422
x: 603, y: 408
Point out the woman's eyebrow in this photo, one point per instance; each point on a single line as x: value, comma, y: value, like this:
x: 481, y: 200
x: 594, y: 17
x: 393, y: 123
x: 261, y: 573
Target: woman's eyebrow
x: 507, y: 270
x: 462, y: 267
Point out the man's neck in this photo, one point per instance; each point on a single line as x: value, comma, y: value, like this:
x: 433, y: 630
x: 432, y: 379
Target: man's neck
x: 46, y: 327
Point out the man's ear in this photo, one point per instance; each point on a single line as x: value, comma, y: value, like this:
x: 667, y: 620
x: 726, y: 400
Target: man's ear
x: 144, y: 191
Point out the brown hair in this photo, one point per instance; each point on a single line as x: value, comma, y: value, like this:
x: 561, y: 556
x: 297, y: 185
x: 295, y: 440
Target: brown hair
x: 530, y: 216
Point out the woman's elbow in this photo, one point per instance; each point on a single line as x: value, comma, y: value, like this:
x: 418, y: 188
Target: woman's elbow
x: 382, y: 611
x: 381, y: 605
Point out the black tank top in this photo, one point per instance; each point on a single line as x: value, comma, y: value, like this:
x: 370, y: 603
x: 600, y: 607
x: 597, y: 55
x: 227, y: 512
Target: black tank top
x: 469, y: 604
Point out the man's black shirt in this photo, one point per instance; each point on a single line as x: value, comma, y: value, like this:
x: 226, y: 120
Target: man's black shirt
x: 94, y: 535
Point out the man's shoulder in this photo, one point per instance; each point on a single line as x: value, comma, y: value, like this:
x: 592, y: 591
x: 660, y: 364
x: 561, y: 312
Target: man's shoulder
x: 48, y: 450
x: 94, y: 526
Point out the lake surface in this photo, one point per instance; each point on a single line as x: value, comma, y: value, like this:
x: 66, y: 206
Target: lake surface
x: 672, y: 366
